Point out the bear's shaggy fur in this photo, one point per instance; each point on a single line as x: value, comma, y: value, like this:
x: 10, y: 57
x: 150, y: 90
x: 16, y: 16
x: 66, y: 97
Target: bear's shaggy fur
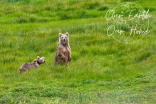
x: 35, y: 64
x: 63, y: 55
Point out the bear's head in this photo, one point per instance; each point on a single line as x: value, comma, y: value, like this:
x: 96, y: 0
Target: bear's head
x: 40, y: 60
x: 63, y: 38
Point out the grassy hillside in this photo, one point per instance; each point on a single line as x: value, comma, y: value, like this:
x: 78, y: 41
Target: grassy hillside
x: 102, y: 70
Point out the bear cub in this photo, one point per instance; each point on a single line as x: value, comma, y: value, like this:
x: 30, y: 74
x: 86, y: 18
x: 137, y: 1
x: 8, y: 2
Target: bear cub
x: 35, y: 64
x: 63, y: 55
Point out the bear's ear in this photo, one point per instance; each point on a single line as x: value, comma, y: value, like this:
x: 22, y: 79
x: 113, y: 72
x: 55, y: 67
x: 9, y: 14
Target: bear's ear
x: 38, y: 57
x: 67, y: 34
x: 60, y: 34
x: 34, y: 60
x: 42, y: 57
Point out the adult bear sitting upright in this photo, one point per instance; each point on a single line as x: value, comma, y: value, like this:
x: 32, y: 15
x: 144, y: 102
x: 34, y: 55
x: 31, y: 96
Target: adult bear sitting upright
x: 63, y: 55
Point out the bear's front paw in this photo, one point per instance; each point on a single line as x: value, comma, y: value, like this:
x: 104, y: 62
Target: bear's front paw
x: 69, y: 59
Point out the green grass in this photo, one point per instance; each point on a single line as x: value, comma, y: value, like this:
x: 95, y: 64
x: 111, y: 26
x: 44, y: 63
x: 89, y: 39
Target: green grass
x: 102, y: 70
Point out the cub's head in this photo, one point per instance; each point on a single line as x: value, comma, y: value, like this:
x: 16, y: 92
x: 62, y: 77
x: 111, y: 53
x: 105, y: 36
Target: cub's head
x: 40, y: 60
x: 63, y: 38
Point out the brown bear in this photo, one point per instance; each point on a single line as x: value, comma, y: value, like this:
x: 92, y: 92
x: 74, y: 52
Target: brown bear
x: 63, y: 55
x: 36, y: 63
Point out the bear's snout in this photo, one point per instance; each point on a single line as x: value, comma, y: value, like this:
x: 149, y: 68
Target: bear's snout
x: 44, y: 61
x: 64, y: 40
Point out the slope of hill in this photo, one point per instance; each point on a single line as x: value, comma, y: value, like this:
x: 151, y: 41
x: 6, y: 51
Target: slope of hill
x: 102, y: 69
